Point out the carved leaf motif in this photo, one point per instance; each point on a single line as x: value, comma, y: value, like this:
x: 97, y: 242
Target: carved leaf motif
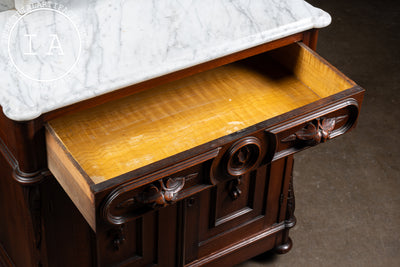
x: 341, y: 118
x: 328, y: 124
x: 308, y: 133
x: 315, y: 133
x: 161, y: 193
x: 326, y: 127
x: 152, y: 195
x: 290, y: 138
x: 191, y: 176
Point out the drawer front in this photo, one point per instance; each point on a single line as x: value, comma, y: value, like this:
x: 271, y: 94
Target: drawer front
x: 314, y: 127
x: 129, y: 201
x: 225, y: 164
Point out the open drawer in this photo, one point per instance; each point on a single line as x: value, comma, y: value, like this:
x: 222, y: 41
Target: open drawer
x: 122, y: 159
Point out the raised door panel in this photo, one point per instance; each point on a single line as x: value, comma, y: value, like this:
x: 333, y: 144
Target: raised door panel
x: 148, y: 240
x: 231, y: 212
x: 131, y: 244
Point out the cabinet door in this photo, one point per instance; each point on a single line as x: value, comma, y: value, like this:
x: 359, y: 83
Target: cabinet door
x: 234, y: 214
x: 150, y: 240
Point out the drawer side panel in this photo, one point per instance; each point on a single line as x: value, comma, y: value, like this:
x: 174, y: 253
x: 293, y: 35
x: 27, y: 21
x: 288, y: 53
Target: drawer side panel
x: 70, y: 178
x: 314, y: 71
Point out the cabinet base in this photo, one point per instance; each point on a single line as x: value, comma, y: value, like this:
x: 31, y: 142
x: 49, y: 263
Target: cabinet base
x: 244, y: 250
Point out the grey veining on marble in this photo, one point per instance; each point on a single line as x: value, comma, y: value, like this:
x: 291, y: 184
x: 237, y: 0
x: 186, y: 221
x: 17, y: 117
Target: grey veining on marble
x: 6, y: 5
x: 127, y: 42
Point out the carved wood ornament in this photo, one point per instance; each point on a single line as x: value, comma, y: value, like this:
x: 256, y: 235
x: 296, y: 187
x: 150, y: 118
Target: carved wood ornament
x: 118, y: 237
x: 243, y: 156
x: 290, y: 220
x: 133, y: 199
x: 316, y: 132
x: 160, y: 193
x: 235, y: 191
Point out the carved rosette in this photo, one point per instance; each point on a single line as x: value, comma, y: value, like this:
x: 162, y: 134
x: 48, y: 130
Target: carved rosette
x: 243, y: 156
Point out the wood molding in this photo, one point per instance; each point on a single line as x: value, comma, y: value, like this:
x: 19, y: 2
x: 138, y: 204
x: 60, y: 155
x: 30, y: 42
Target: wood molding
x: 158, y: 194
x: 311, y: 38
x: 7, y: 154
x: 240, y: 245
x: 152, y: 195
x: 29, y: 179
x: 283, y: 243
x: 24, y: 178
x: 316, y: 131
x: 243, y: 156
x: 320, y: 133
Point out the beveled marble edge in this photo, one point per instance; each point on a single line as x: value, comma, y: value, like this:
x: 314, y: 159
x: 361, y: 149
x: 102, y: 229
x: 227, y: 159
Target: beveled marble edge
x: 23, y: 99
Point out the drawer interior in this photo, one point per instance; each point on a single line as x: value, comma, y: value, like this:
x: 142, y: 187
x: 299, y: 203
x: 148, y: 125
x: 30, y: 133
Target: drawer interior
x: 124, y: 135
x: 88, y: 148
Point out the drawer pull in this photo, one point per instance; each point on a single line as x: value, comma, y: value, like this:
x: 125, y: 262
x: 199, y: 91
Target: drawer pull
x: 316, y: 132
x: 235, y: 191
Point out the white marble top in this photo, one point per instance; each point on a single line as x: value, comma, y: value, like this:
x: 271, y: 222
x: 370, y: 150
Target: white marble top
x: 6, y: 5
x: 123, y: 42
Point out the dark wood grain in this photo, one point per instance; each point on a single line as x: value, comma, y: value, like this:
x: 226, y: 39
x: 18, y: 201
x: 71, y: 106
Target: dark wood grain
x: 18, y: 230
x: 311, y: 38
x: 68, y: 237
x: 5, y: 260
